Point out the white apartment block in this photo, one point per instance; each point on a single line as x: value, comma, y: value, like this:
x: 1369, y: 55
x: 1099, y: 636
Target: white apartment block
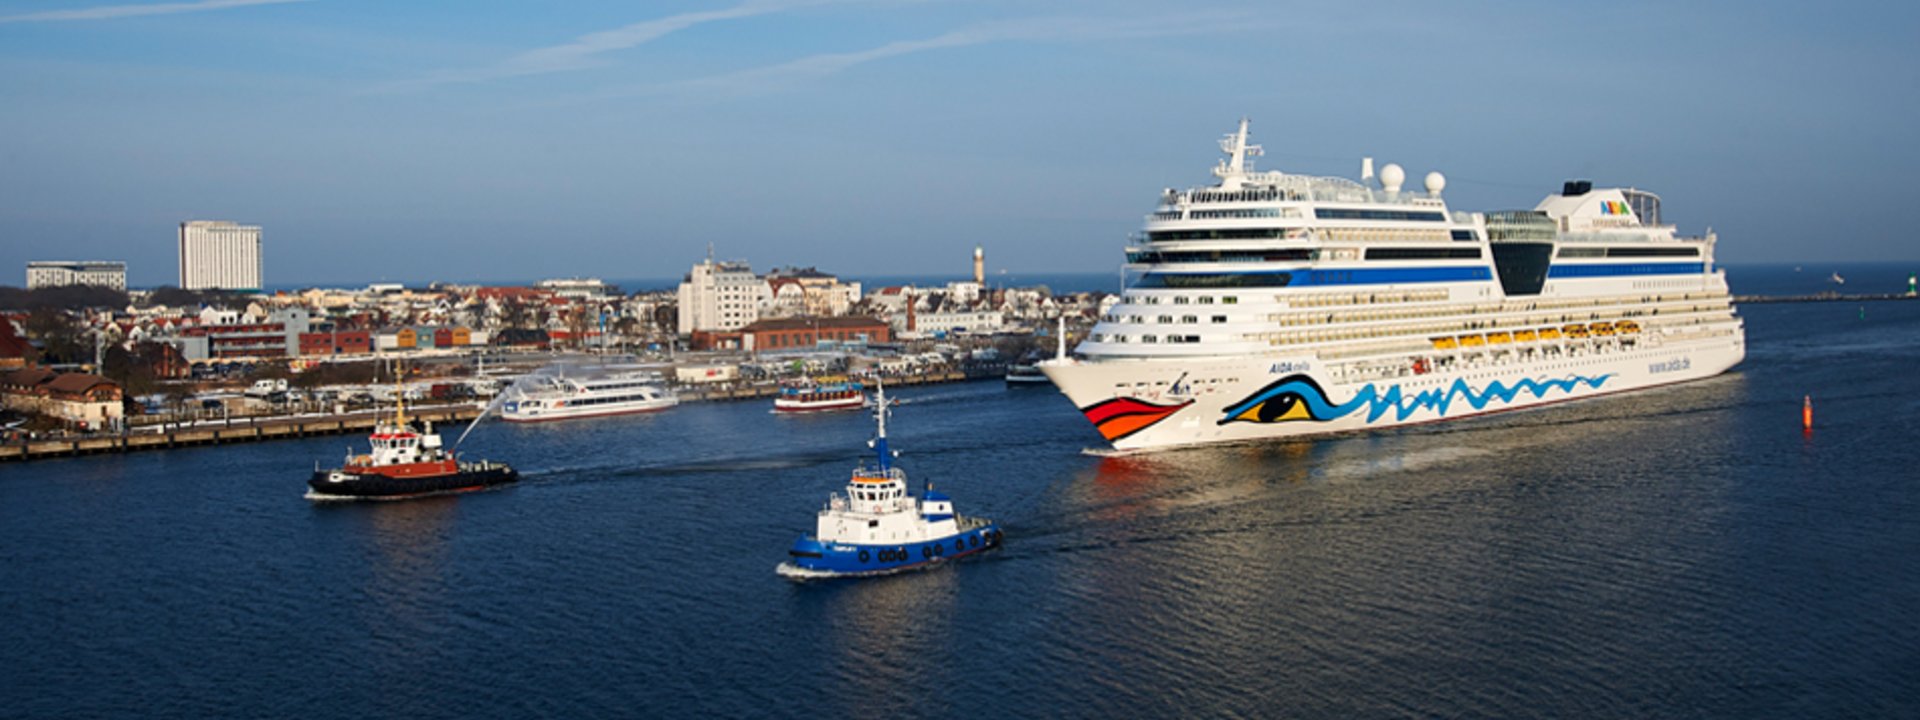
x: 61, y: 273
x: 219, y: 255
x: 720, y: 296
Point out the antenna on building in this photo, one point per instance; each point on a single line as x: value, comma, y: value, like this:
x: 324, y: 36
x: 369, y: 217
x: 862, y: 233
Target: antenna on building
x: 709, y: 253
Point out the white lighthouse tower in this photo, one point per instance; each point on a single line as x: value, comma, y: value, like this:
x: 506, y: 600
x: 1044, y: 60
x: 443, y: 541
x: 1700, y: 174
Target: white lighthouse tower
x: 979, y: 266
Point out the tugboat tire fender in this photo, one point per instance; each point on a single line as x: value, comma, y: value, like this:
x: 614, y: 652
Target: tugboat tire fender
x: 863, y: 556
x: 973, y: 540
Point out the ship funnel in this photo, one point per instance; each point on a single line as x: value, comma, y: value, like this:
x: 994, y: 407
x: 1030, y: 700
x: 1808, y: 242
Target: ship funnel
x: 1366, y: 170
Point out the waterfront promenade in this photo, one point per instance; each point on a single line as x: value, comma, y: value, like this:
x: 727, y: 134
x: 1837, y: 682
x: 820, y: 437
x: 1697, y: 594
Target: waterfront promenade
x: 258, y: 428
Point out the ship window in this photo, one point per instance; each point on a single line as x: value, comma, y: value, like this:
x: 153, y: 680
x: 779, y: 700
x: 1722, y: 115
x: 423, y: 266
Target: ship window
x: 1230, y: 234
x: 1391, y: 253
x: 1206, y: 300
x: 1219, y: 318
x: 873, y: 523
x: 1214, y: 280
x: 1353, y: 214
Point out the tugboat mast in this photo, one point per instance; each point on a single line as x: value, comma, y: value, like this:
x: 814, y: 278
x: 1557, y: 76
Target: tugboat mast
x: 880, y: 417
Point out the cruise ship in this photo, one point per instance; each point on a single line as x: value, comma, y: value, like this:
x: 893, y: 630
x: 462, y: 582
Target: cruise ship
x: 541, y: 398
x: 1271, y: 305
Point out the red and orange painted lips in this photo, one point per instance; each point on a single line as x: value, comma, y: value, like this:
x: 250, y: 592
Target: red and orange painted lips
x: 1120, y: 417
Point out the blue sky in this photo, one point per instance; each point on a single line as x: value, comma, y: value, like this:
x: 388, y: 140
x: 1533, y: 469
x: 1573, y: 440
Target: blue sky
x: 518, y: 140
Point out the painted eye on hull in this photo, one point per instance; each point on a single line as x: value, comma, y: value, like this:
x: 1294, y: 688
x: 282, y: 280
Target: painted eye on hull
x: 1279, y: 408
x: 1291, y: 399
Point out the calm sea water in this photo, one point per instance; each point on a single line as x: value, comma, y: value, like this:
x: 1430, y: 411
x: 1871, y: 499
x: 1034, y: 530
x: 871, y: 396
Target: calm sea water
x: 1683, y: 552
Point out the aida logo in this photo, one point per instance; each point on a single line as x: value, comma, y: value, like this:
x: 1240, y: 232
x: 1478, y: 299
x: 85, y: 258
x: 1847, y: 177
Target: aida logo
x: 1610, y: 207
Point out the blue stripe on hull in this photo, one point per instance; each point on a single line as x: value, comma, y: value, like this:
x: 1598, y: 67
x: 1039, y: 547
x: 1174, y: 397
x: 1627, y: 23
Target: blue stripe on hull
x: 845, y: 559
x: 1587, y: 271
x: 1384, y: 276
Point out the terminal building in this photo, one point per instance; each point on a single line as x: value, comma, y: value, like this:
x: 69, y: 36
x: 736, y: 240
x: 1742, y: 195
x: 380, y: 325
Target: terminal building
x: 219, y: 255
x: 62, y: 273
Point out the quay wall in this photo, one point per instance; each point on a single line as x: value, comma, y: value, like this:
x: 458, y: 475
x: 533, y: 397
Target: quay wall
x: 255, y: 429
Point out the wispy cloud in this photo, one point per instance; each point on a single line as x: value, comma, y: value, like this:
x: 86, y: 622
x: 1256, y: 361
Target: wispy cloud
x: 114, y: 12
x: 1028, y: 30
x: 580, y: 53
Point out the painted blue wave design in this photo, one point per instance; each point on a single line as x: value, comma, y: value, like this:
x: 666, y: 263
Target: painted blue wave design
x: 1441, y: 400
x: 1302, y: 390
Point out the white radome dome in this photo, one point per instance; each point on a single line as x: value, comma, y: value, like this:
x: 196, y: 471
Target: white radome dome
x: 1436, y: 182
x: 1391, y: 177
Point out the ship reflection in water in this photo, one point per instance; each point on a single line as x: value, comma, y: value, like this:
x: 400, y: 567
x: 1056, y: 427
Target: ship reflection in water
x: 403, y: 580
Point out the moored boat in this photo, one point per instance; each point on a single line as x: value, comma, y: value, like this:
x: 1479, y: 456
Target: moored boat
x: 1026, y: 372
x: 565, y: 397
x: 880, y: 528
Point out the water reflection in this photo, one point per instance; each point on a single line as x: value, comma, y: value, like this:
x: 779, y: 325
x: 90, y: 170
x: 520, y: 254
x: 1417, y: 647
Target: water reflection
x: 404, y: 580
x: 884, y: 634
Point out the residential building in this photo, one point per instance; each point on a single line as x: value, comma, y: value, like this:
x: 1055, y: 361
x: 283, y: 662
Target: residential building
x: 277, y: 334
x: 61, y: 273
x: 219, y: 255
x: 84, y: 400
x: 336, y: 342
x: 577, y: 288
x: 818, y: 293
x: 720, y: 296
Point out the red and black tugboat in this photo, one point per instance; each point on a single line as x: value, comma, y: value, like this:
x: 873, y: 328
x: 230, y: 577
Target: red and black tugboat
x: 407, y: 460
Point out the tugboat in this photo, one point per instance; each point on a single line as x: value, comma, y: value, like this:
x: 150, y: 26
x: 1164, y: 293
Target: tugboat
x: 810, y: 395
x: 407, y: 461
x: 878, y: 528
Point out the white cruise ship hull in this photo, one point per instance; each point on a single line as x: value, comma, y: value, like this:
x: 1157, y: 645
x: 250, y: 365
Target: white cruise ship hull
x: 1146, y: 404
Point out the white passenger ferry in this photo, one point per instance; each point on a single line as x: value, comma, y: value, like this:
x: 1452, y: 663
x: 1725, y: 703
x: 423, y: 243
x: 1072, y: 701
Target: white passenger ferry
x: 541, y: 398
x: 1272, y: 305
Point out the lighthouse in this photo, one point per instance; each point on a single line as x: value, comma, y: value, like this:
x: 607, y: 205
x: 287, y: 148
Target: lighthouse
x: 979, y: 266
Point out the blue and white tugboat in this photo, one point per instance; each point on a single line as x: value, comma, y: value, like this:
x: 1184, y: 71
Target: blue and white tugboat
x: 878, y: 528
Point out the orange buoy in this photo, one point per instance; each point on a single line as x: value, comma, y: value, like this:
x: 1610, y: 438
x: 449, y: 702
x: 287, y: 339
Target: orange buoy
x: 1806, y: 414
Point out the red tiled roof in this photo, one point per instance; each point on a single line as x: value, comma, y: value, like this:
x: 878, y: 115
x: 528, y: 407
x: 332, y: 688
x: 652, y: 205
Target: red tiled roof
x: 26, y: 377
x: 76, y: 383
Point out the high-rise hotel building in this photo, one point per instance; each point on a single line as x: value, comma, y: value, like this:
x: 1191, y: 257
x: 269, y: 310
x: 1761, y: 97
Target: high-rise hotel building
x: 219, y: 255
